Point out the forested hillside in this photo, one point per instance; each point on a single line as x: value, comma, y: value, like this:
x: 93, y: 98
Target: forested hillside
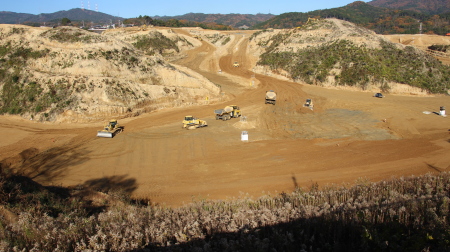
x: 380, y: 20
x: 234, y: 20
x: 83, y: 17
x: 76, y: 15
x: 423, y: 6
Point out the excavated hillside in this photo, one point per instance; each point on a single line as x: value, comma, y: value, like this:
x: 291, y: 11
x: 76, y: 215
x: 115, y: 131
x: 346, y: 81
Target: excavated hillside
x: 68, y: 74
x: 337, y: 53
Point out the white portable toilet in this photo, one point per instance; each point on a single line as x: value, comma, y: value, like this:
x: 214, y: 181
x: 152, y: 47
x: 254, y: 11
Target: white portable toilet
x: 442, y: 111
x: 244, y: 136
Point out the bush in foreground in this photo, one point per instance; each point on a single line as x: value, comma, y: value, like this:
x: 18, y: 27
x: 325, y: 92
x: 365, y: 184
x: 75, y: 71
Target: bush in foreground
x: 405, y: 214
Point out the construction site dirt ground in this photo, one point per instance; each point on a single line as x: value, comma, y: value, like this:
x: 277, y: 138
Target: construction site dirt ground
x: 350, y: 136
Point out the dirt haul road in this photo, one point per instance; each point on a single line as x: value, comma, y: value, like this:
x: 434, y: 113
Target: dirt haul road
x: 349, y: 135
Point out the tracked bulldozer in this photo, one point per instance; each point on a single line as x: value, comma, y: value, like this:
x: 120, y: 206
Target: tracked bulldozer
x: 191, y: 122
x: 110, y: 129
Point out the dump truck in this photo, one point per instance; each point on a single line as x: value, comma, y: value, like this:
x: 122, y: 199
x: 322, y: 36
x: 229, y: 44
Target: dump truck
x: 228, y: 112
x: 271, y: 97
x: 191, y: 122
x: 110, y: 129
x: 236, y: 64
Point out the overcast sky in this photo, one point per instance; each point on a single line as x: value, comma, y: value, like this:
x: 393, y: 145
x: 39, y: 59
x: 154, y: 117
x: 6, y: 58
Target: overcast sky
x: 134, y: 8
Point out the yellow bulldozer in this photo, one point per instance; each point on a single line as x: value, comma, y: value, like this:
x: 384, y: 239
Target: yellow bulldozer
x: 191, y: 122
x: 110, y: 129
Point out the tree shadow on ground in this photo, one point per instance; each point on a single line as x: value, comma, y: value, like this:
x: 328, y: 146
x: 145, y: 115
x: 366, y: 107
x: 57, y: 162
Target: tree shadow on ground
x: 112, y: 183
x: 46, y: 166
x: 52, y: 163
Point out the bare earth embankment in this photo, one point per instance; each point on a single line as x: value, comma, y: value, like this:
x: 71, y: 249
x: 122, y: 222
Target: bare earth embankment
x: 349, y: 135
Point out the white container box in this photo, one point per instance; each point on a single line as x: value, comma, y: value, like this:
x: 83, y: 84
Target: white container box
x: 244, y: 136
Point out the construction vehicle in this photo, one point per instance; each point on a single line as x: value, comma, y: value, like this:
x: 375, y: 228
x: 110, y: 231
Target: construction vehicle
x: 378, y: 95
x: 271, y: 97
x: 110, y: 129
x: 191, y: 122
x: 236, y: 64
x: 228, y: 112
x: 309, y: 104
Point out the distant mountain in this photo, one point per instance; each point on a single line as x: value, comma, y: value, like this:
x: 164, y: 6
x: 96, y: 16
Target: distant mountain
x: 381, y: 20
x: 76, y: 14
x: 234, y: 20
x: 430, y: 7
x: 7, y: 17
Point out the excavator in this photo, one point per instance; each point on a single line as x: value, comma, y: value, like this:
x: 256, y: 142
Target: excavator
x: 110, y: 129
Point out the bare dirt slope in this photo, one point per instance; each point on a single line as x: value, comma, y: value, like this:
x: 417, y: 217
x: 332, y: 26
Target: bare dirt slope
x: 422, y: 42
x: 91, y: 75
x: 349, y: 135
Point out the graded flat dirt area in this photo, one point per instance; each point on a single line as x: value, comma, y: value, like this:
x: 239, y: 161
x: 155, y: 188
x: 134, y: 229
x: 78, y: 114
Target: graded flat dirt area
x: 349, y: 136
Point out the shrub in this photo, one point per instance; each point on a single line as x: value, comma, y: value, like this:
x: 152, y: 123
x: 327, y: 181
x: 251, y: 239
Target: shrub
x: 155, y: 41
x: 225, y: 41
x: 405, y: 214
x: 71, y: 35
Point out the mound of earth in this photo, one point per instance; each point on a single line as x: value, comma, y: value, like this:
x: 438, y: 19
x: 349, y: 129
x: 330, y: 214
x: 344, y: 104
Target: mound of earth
x: 82, y: 76
x: 292, y: 54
